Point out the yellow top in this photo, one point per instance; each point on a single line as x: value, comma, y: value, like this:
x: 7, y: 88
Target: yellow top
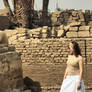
x: 73, y: 64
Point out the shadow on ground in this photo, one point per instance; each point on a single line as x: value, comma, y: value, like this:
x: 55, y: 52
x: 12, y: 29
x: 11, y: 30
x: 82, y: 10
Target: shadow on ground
x: 34, y: 86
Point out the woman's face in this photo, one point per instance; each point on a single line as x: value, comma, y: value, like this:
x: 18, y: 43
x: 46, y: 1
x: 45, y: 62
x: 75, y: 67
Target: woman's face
x: 71, y: 47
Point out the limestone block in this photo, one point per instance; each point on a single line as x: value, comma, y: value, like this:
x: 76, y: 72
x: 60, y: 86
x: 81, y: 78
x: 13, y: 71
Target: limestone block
x: 90, y: 23
x: 70, y: 18
x: 12, y: 38
x: 21, y: 30
x: 83, y: 34
x: 54, y: 19
x: 22, y: 38
x: 11, y: 32
x: 27, y: 91
x: 53, y: 32
x: 44, y: 30
x: 83, y: 23
x: 74, y: 13
x: 72, y: 34
x: 90, y: 34
x: 75, y: 24
x: 60, y: 33
x: 66, y: 27
x: 75, y: 18
x: 84, y: 28
x: 21, y: 35
x: 81, y: 16
x: 44, y: 35
x: 73, y: 29
x: 61, y: 27
x: 91, y: 30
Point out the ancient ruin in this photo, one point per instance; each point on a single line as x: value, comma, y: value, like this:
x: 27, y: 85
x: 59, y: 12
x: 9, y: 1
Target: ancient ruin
x: 34, y: 46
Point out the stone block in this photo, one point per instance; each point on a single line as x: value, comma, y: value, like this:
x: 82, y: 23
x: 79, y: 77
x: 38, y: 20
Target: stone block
x: 66, y: 27
x: 84, y: 28
x: 73, y: 29
x: 83, y: 34
x: 60, y: 33
x: 75, y: 24
x: 10, y: 70
x: 71, y: 34
x: 61, y: 27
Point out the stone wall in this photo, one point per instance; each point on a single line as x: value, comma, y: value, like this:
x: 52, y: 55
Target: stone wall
x: 43, y: 59
x: 68, y: 16
x: 74, y: 30
x: 10, y: 69
x: 63, y: 17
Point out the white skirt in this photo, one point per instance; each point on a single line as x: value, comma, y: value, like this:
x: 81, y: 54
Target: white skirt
x: 70, y: 84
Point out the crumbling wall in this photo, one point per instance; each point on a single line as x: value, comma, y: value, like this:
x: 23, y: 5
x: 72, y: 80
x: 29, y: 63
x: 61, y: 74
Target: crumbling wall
x: 73, y: 30
x: 63, y: 17
x: 10, y: 69
x: 43, y: 59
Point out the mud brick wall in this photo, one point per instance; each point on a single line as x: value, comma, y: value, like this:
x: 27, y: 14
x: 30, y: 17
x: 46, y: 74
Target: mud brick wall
x: 74, y: 30
x: 10, y: 69
x: 44, y: 59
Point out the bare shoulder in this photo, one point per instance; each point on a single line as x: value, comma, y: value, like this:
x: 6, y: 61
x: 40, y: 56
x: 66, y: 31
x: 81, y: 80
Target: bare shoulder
x: 80, y: 58
x: 69, y: 55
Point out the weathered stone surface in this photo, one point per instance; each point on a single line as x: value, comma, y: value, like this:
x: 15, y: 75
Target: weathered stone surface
x: 73, y: 29
x: 61, y: 27
x: 4, y: 22
x: 10, y: 69
x: 90, y: 23
x: 84, y: 28
x: 83, y: 34
x: 75, y: 24
x: 27, y: 91
x: 41, y: 56
x: 72, y: 34
x: 66, y: 27
x: 60, y: 33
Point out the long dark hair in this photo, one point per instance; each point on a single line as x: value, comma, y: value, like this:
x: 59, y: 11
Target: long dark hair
x: 76, y: 47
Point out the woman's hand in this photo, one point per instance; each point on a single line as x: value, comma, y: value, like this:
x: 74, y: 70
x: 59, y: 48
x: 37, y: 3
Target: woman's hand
x: 64, y: 78
x: 79, y: 86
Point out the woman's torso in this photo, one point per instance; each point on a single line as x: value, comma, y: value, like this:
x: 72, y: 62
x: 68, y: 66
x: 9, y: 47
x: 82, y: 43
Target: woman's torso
x: 73, y: 65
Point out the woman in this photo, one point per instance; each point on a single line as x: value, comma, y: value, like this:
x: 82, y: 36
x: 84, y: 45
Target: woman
x: 73, y: 76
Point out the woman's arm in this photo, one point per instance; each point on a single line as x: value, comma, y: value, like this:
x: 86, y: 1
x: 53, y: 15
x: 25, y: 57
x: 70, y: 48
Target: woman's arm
x: 65, y: 73
x: 81, y: 65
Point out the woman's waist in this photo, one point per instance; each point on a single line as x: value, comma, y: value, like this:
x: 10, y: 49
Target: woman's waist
x: 77, y: 72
